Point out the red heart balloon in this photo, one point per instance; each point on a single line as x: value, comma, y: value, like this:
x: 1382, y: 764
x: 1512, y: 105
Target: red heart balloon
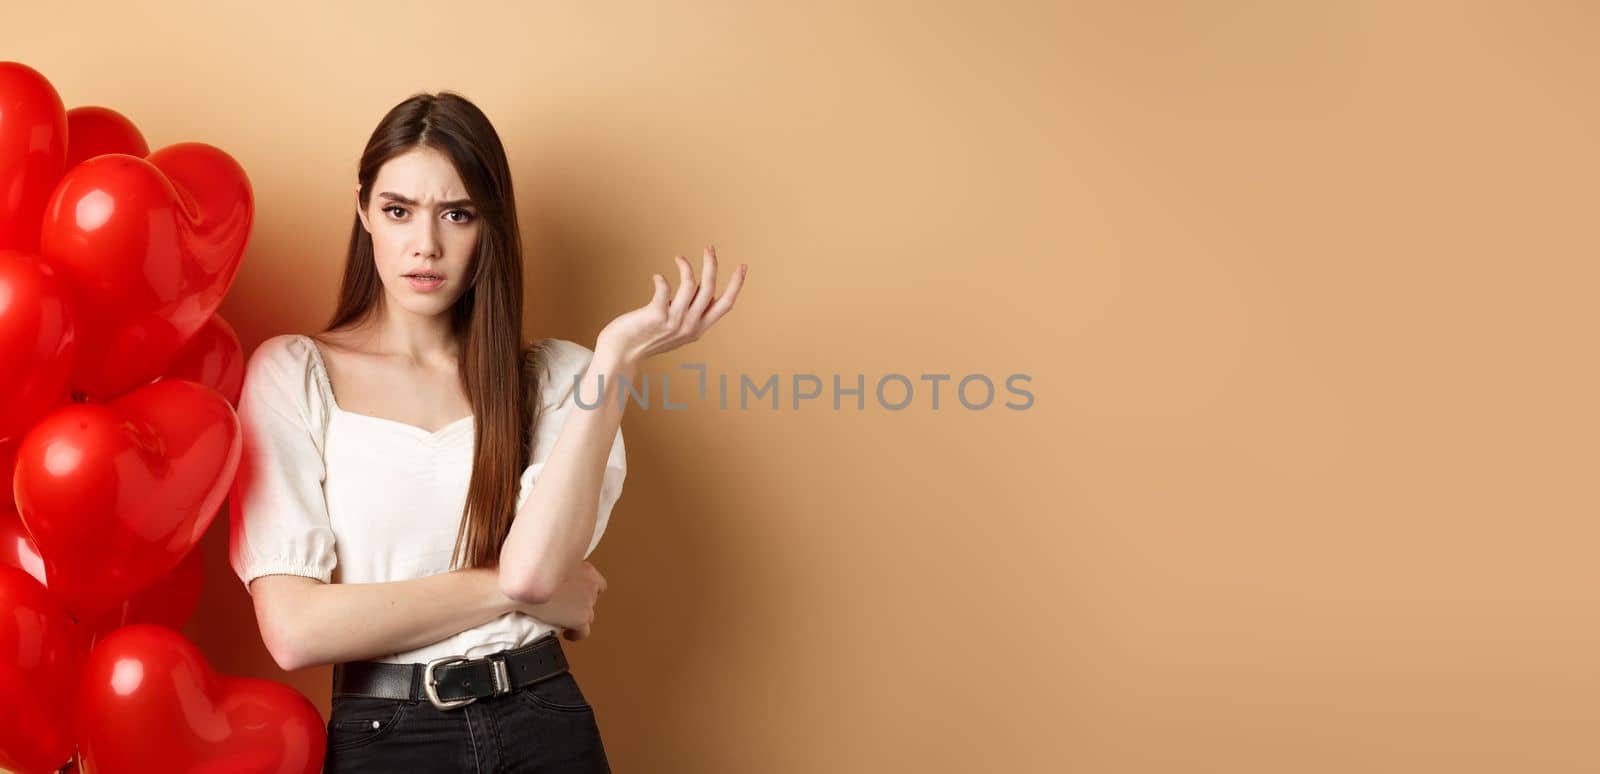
x: 151, y: 246
x: 33, y: 152
x: 8, y: 466
x: 115, y: 495
x: 16, y: 545
x: 168, y: 602
x: 149, y: 702
x: 39, y: 667
x: 214, y: 358
x: 38, y: 340
x: 95, y: 131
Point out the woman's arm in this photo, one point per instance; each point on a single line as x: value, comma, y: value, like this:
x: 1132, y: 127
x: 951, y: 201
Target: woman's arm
x: 556, y: 522
x: 305, y: 622
x: 553, y: 527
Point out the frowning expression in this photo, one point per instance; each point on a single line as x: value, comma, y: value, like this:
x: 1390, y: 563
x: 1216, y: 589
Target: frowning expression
x: 422, y: 222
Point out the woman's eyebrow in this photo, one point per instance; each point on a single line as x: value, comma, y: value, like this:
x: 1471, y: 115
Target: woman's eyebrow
x: 412, y: 202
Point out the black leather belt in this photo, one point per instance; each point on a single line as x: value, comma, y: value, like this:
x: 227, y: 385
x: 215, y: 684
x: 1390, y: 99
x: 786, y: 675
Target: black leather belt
x: 453, y: 681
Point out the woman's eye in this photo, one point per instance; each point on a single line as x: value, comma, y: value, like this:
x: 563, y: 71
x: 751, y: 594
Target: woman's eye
x: 465, y: 216
x: 393, y: 207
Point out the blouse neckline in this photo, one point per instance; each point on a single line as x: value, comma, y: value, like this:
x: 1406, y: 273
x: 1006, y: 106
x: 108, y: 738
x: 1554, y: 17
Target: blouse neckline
x: 326, y: 384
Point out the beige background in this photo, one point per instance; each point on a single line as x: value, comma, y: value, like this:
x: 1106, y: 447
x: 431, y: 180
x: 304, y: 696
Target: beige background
x: 1304, y: 289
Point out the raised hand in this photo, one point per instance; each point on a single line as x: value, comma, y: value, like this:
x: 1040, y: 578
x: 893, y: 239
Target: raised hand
x: 672, y: 319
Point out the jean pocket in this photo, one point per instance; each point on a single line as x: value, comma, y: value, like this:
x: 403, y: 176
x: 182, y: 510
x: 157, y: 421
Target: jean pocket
x: 559, y: 694
x: 362, y: 720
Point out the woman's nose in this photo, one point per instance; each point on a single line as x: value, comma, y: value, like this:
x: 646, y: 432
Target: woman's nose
x: 427, y: 243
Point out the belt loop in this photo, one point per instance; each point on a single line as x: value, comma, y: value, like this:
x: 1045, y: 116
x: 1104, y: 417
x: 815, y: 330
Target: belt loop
x: 502, y: 676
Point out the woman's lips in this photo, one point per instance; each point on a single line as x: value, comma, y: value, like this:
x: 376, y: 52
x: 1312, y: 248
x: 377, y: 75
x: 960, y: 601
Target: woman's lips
x: 424, y: 285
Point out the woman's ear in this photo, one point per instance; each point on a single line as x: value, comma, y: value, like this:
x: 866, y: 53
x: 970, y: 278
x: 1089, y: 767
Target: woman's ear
x: 360, y: 213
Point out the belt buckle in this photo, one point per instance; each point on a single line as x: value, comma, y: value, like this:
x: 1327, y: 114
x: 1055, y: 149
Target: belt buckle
x: 430, y: 686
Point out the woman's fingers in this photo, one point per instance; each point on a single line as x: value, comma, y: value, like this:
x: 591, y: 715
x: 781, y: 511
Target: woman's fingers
x: 729, y: 296
x: 694, y: 306
x: 685, y: 294
x: 659, y: 298
x: 702, y: 296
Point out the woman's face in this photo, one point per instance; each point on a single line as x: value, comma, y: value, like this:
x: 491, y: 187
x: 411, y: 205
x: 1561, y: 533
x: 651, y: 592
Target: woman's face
x: 421, y: 222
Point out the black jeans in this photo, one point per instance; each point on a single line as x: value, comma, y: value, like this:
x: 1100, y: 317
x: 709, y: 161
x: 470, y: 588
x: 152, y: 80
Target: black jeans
x: 544, y: 728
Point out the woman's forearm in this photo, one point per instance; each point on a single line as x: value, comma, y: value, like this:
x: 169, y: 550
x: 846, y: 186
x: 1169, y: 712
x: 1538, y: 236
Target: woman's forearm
x: 556, y: 522
x: 338, y: 622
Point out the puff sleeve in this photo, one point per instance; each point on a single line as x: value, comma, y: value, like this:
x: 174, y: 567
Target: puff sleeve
x: 278, y: 515
x: 564, y: 361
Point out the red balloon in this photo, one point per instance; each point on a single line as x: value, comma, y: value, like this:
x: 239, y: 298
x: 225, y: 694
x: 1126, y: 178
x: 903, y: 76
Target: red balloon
x: 95, y: 131
x: 8, y: 466
x: 150, y: 246
x: 214, y: 358
x: 16, y: 545
x: 39, y: 667
x: 115, y: 495
x: 33, y: 152
x: 149, y: 702
x: 38, y: 340
x: 168, y: 602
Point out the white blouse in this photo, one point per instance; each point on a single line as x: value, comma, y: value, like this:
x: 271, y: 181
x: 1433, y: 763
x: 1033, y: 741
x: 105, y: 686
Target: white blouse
x: 352, y: 498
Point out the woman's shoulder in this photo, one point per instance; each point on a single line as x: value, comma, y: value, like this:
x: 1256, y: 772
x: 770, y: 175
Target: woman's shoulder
x: 284, y: 349
x: 557, y: 362
x: 285, y: 368
x: 560, y: 352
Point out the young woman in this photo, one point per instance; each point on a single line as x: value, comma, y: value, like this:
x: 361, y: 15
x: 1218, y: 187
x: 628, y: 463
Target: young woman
x: 419, y: 490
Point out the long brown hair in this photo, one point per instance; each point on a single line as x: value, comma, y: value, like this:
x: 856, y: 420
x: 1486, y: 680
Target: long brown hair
x: 499, y: 374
